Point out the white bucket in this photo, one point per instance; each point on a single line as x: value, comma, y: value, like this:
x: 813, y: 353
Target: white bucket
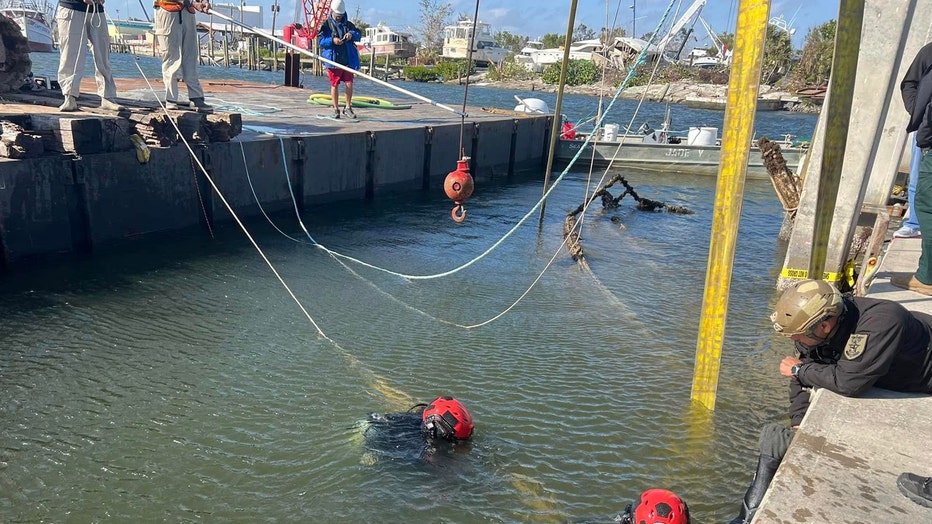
x: 702, y: 136
x: 611, y: 132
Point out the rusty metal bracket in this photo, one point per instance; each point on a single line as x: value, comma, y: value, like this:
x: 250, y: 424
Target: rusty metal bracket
x: 299, y: 152
x: 870, y: 262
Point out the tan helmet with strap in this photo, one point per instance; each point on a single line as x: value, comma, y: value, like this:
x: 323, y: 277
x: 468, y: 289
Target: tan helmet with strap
x: 804, y: 305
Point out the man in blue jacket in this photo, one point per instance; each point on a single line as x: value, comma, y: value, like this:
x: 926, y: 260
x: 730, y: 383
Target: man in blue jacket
x: 336, y: 37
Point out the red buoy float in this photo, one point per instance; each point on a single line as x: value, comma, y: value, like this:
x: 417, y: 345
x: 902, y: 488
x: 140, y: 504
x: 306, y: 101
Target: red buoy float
x: 459, y: 186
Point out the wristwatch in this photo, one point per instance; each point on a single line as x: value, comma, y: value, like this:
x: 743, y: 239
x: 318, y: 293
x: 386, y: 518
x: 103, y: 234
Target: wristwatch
x: 795, y: 370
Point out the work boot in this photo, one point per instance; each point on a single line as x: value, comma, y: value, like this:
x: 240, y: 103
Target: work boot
x: 766, y: 469
x: 348, y: 111
x: 911, y: 283
x: 110, y: 105
x: 201, y: 106
x: 918, y: 489
x: 70, y: 104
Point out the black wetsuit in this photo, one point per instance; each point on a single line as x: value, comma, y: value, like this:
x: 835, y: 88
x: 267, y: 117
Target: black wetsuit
x: 878, y: 343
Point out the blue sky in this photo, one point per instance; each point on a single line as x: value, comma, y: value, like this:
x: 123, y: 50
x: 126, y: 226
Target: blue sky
x: 534, y: 18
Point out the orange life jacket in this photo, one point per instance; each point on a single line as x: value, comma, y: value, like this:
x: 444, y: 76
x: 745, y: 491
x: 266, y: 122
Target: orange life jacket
x: 171, y: 7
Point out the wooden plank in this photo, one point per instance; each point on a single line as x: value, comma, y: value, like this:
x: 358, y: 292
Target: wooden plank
x: 70, y: 135
x: 15, y: 142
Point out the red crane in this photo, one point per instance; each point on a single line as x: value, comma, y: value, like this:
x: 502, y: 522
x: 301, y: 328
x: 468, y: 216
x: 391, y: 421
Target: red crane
x: 314, y: 14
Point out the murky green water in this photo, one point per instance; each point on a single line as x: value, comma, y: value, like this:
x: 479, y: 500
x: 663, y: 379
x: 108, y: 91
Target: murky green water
x: 177, y: 381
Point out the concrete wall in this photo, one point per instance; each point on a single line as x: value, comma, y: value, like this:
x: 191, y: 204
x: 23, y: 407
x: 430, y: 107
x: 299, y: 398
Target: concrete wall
x: 61, y: 204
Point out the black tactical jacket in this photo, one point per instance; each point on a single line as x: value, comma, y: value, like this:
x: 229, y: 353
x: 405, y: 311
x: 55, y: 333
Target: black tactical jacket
x: 877, y: 343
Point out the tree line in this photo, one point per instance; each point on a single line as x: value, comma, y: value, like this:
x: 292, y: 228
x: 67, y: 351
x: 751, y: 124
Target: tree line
x: 782, y: 65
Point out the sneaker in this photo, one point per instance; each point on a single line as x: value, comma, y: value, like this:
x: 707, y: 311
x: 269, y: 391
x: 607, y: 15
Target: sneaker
x: 175, y: 105
x: 911, y: 283
x: 918, y: 489
x: 348, y: 111
x: 110, y: 105
x: 907, y: 232
x: 336, y: 114
x: 70, y: 104
x: 199, y: 105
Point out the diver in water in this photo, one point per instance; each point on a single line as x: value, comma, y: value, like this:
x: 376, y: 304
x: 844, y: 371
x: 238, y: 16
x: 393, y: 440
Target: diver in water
x: 417, y: 433
x: 657, y: 506
x: 654, y: 506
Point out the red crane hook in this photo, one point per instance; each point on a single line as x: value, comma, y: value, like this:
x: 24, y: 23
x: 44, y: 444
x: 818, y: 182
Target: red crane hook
x: 459, y: 186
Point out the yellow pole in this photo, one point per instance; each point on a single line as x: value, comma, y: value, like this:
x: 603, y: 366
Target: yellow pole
x: 841, y: 91
x: 743, y: 88
x: 557, y: 117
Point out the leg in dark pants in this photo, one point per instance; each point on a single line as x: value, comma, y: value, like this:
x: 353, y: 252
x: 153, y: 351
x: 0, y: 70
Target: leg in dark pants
x: 774, y: 441
x: 923, y: 213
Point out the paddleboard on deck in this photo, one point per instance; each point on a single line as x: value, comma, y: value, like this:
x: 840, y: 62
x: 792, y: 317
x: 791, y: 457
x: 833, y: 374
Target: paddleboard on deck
x: 358, y: 101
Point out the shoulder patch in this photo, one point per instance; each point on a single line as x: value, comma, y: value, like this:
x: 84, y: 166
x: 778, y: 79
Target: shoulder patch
x: 855, y: 346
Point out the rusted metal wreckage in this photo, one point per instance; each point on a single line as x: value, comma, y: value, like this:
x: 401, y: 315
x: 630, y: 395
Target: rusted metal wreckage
x: 609, y: 201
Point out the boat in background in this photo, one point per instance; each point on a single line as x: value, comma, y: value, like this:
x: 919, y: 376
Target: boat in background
x: 659, y: 150
x: 383, y: 41
x: 485, y: 50
x: 536, y: 60
x: 35, y: 19
x: 123, y: 31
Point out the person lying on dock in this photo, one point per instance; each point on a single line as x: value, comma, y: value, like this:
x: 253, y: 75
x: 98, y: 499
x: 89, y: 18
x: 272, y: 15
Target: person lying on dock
x: 415, y: 434
x: 847, y: 346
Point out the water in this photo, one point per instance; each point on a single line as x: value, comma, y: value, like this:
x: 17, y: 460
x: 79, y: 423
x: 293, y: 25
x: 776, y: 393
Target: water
x: 174, y: 379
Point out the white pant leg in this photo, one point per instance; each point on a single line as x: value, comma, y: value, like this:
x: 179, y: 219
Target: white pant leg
x: 98, y: 35
x: 190, y: 52
x: 71, y: 41
x: 168, y: 36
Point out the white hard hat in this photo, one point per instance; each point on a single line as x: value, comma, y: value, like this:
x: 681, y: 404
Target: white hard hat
x: 338, y: 7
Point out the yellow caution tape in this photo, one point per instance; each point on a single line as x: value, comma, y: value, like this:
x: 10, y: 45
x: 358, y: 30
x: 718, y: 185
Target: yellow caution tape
x: 803, y: 274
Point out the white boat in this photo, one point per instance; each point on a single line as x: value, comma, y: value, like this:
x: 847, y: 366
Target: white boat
x: 35, y: 19
x: 537, y: 60
x: 658, y: 150
x: 485, y: 50
x: 383, y: 41
x: 128, y: 31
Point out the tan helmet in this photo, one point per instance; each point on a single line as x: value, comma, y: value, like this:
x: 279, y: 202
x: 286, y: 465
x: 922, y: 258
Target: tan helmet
x: 804, y: 305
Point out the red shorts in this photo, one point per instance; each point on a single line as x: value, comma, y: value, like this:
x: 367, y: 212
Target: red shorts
x: 339, y: 74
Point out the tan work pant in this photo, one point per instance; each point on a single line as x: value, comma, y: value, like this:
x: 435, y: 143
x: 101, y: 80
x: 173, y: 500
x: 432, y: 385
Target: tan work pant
x: 176, y: 36
x: 75, y: 30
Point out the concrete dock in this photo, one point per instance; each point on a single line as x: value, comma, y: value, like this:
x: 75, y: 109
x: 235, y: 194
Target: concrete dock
x: 96, y: 191
x: 846, y: 455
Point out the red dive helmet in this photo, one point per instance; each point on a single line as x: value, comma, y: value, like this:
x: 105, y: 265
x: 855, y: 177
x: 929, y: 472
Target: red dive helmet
x: 447, y: 418
x: 659, y: 506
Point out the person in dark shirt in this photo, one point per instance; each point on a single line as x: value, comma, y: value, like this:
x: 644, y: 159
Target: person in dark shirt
x: 916, y: 89
x: 845, y: 345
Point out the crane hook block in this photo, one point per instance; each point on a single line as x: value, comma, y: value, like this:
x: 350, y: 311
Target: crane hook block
x: 459, y: 186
